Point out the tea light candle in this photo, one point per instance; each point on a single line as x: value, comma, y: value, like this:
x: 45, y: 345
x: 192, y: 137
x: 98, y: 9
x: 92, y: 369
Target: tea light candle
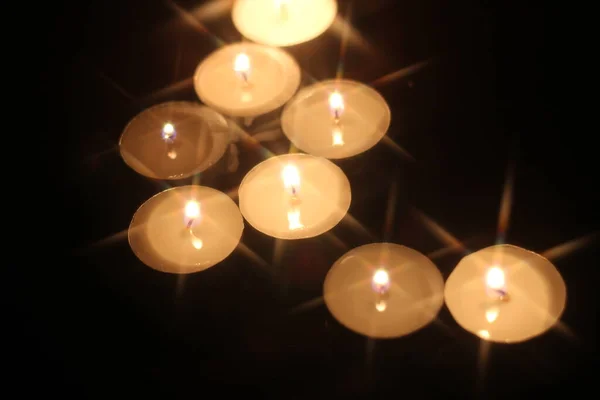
x: 336, y: 119
x: 294, y: 196
x: 185, y: 229
x: 174, y: 140
x: 246, y: 79
x: 283, y: 22
x: 384, y: 290
x: 505, y: 294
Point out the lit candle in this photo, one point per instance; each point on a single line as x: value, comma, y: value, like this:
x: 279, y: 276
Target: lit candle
x: 336, y: 119
x: 246, y: 79
x: 174, y: 140
x: 505, y: 294
x: 283, y: 22
x: 384, y: 290
x: 294, y: 196
x: 185, y: 229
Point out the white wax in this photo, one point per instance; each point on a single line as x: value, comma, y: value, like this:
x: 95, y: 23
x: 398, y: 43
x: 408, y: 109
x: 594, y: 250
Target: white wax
x: 308, y: 122
x: 535, y: 301
x: 273, y: 78
x: 298, y: 21
x: 415, y: 296
x: 159, y: 236
x: 323, y: 197
x: 200, y: 138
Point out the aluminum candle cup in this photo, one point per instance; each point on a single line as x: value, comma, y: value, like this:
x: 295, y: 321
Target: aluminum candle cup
x: 505, y: 294
x: 384, y: 290
x: 185, y: 229
x: 174, y: 140
x: 246, y: 79
x: 283, y: 22
x: 294, y: 196
x: 336, y: 119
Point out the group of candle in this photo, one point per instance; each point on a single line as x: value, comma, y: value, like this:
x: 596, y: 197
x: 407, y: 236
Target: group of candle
x: 381, y: 290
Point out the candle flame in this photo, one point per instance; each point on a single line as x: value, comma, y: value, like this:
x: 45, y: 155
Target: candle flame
x: 337, y: 137
x: 381, y: 280
x: 495, y: 278
x: 336, y: 104
x: 192, y: 209
x: 291, y: 177
x: 241, y: 63
x: 168, y: 131
x: 294, y: 222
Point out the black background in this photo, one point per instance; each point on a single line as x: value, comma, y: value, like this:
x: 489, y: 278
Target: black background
x: 95, y: 322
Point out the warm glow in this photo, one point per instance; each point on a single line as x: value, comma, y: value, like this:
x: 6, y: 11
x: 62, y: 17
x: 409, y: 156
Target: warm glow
x: 492, y: 314
x: 381, y: 277
x: 197, y: 243
x: 291, y: 177
x: 337, y: 137
x: 168, y: 131
x: 484, y: 334
x: 381, y: 305
x: 242, y: 63
x: 495, y: 279
x: 380, y: 281
x: 192, y: 209
x: 336, y: 103
x: 172, y: 154
x: 294, y: 220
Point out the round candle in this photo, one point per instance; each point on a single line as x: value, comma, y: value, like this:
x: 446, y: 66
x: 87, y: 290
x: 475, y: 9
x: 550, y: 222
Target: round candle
x: 246, y: 79
x: 336, y: 119
x: 185, y: 229
x: 174, y: 140
x: 283, y: 22
x: 294, y: 196
x: 384, y: 290
x: 505, y: 294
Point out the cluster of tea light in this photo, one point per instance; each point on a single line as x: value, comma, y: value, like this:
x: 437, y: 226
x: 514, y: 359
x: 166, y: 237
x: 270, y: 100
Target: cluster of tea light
x: 383, y: 290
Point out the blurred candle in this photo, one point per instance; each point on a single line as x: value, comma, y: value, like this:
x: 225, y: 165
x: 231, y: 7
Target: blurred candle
x: 294, y: 196
x: 174, y: 140
x: 246, y: 79
x: 505, y: 294
x: 283, y: 22
x: 185, y: 229
x: 336, y: 119
x: 384, y: 290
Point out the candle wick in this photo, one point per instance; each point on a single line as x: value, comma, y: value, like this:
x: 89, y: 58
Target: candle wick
x: 189, y: 224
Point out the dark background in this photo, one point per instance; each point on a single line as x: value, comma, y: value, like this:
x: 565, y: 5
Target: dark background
x: 95, y: 322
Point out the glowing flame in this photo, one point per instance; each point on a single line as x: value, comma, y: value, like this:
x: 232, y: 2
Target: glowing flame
x: 495, y: 278
x: 294, y: 222
x: 192, y: 209
x: 242, y: 63
x: 381, y: 280
x: 492, y: 314
x: 336, y: 104
x: 168, y: 131
x: 337, y: 137
x: 291, y: 177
